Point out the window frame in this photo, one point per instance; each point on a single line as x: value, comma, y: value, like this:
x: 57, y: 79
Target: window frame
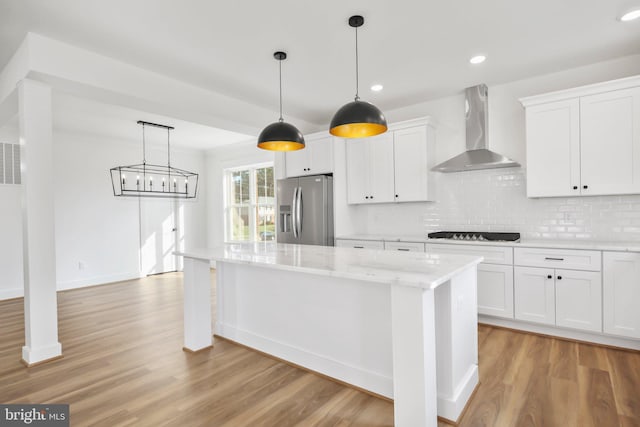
x: 252, y: 205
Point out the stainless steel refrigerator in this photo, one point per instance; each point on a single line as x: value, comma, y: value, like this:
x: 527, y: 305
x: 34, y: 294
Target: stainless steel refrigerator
x: 305, y: 210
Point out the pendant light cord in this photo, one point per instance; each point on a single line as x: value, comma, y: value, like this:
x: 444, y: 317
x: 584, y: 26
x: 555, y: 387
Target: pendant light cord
x: 280, y: 68
x: 168, y: 148
x: 144, y: 151
x: 357, y: 72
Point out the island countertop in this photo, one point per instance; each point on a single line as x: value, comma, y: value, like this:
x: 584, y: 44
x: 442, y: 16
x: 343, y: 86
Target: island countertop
x: 415, y: 269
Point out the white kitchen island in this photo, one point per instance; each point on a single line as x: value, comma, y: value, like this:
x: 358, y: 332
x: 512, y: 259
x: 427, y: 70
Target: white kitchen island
x: 399, y: 324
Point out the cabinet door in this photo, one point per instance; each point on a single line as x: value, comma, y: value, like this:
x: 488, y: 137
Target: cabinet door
x: 411, y: 164
x: 320, y: 155
x: 381, y: 168
x: 495, y: 290
x: 579, y: 299
x: 296, y: 162
x: 357, y: 151
x: 553, y: 149
x: 621, y: 293
x: 610, y: 142
x: 534, y: 298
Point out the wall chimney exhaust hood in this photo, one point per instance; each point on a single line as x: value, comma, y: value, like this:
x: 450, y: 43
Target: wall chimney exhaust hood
x: 477, y: 156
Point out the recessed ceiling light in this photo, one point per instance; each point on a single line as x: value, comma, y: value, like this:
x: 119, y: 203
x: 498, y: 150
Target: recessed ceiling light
x: 478, y: 59
x: 376, y: 88
x: 631, y: 15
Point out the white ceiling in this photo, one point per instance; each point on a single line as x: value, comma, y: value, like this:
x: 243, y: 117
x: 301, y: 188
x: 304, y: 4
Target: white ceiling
x: 417, y: 49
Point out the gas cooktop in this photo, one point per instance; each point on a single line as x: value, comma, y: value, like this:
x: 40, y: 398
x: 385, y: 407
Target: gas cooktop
x: 476, y: 236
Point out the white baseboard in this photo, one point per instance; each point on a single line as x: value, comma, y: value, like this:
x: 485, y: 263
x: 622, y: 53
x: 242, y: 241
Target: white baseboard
x: 561, y: 332
x: 358, y: 377
x: 74, y: 284
x: 98, y: 280
x: 451, y: 407
x: 11, y: 293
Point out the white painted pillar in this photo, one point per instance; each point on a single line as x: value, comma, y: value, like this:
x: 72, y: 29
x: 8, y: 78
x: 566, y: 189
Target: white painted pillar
x: 197, y: 304
x: 414, y: 357
x: 39, y: 257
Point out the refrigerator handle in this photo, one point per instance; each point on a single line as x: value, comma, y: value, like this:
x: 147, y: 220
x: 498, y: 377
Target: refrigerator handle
x: 293, y: 213
x: 299, y: 213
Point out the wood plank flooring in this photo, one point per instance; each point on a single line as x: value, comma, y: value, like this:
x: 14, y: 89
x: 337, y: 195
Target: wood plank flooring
x: 123, y: 365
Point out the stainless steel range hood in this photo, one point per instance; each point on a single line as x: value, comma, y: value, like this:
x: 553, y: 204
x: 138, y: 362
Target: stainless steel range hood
x: 477, y: 156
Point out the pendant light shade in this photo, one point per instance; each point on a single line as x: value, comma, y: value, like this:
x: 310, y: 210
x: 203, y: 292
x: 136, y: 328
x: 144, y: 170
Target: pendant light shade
x: 280, y: 135
x: 358, y: 119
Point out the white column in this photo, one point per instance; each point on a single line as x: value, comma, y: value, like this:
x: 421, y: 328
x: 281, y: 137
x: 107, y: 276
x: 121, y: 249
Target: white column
x: 197, y: 304
x: 40, y: 301
x: 414, y: 357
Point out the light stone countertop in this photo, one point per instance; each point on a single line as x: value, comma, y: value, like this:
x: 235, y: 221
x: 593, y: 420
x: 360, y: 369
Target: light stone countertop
x: 415, y: 269
x: 524, y: 243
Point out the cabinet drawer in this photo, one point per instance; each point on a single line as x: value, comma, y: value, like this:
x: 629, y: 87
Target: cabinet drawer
x: 404, y: 246
x: 360, y: 244
x: 491, y: 254
x: 558, y: 258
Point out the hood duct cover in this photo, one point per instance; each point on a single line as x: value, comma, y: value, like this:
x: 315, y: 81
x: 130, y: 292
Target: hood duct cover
x: 477, y: 156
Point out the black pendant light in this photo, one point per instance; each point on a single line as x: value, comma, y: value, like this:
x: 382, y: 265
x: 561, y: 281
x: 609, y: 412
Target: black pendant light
x: 358, y: 119
x: 280, y: 136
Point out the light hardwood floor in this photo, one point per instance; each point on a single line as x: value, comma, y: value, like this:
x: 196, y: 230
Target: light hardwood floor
x: 123, y: 365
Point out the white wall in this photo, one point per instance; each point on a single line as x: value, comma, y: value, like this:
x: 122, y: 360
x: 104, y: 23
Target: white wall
x: 496, y: 200
x: 97, y: 234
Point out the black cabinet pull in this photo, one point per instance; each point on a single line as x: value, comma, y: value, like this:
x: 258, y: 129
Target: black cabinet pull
x: 366, y: 197
x: 559, y: 277
x: 553, y: 259
x: 396, y: 196
x: 358, y: 247
x: 585, y: 186
x: 404, y: 249
x: 575, y: 187
x: 371, y: 197
x: 549, y: 276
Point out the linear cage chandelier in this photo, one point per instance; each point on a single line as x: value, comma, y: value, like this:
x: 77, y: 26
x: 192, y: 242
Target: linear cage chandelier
x: 152, y: 180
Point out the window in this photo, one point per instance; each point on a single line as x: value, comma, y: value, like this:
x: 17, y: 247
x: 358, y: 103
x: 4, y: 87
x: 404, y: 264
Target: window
x: 250, y: 204
x: 10, y: 164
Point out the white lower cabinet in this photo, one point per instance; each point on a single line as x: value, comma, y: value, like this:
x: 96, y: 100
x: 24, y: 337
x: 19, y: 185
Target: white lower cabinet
x: 567, y: 298
x: 495, y: 275
x: 535, y: 299
x: 359, y: 244
x: 579, y: 300
x: 621, y: 274
x: 404, y: 246
x: 495, y: 290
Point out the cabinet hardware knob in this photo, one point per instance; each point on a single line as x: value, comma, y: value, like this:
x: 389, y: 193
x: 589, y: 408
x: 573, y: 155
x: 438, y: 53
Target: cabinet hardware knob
x: 366, y: 197
x: 371, y: 197
x: 549, y: 276
x: 575, y: 187
x: 559, y: 277
x: 585, y: 186
x: 396, y: 196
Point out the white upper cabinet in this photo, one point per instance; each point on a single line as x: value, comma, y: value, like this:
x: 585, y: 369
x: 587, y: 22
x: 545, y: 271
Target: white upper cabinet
x: 584, y: 141
x: 392, y: 167
x: 413, y: 157
x: 315, y: 158
x: 610, y: 142
x: 370, y: 169
x: 553, y: 149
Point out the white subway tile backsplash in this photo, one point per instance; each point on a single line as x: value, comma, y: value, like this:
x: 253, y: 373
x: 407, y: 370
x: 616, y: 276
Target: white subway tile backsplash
x: 495, y: 200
